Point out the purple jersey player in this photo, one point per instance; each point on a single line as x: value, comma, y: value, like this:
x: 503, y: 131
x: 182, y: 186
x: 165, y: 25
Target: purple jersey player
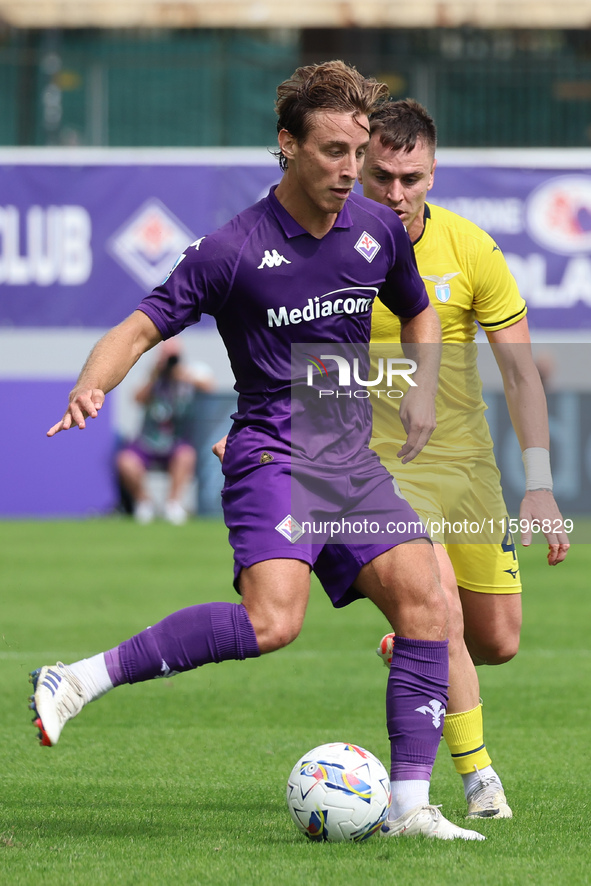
x: 302, y: 266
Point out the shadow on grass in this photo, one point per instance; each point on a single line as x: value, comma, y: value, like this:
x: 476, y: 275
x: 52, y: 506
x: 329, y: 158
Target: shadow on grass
x: 112, y: 818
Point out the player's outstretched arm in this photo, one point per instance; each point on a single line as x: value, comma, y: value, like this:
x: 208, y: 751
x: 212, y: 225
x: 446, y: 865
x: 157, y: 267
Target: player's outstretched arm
x: 108, y: 363
x: 528, y: 410
x: 421, y: 340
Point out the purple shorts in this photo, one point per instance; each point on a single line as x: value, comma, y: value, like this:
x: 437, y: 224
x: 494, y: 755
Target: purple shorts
x: 335, y: 520
x: 150, y: 460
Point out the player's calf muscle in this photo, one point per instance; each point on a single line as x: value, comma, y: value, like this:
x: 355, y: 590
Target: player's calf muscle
x: 492, y: 626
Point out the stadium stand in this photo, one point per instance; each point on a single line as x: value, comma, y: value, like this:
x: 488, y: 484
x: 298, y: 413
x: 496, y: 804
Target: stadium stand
x: 212, y: 87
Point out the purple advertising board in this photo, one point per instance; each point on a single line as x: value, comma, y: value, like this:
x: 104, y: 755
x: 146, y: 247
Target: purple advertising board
x: 541, y: 219
x: 69, y: 475
x: 80, y: 244
x: 84, y: 236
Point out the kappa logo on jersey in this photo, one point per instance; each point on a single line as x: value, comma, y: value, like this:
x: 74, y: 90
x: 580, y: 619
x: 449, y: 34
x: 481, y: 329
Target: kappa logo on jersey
x: 434, y: 709
x: 367, y: 247
x: 290, y: 529
x: 442, y: 287
x: 272, y: 260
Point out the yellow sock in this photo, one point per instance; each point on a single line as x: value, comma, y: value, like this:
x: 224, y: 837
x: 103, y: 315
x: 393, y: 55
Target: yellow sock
x: 464, y: 735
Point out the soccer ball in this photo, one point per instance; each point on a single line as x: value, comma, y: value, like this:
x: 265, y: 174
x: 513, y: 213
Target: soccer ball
x: 338, y: 792
x: 386, y: 648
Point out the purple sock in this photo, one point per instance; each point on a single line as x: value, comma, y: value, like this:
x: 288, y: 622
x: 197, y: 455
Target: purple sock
x: 416, y: 699
x: 211, y: 632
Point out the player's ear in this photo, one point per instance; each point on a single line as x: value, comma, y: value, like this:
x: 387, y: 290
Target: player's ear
x: 432, y: 175
x: 286, y: 143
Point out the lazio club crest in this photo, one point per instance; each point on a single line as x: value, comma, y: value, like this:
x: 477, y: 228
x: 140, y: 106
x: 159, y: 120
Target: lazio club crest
x: 442, y: 287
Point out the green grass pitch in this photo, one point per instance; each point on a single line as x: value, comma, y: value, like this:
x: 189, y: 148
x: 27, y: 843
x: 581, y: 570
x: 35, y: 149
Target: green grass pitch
x: 182, y: 781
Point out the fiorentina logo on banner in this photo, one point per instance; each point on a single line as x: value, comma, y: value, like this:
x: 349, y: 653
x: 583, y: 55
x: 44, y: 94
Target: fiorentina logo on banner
x: 148, y: 243
x: 72, y: 230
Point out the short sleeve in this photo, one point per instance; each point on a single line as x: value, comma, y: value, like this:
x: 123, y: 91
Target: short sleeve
x: 198, y: 284
x: 497, y: 301
x: 403, y: 291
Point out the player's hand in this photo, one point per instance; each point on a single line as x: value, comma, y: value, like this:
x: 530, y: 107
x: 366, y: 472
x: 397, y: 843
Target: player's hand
x: 417, y: 414
x: 219, y: 448
x: 83, y: 404
x: 539, y: 509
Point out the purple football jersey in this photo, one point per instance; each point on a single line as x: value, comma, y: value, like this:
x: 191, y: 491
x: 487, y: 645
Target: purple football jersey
x: 270, y: 284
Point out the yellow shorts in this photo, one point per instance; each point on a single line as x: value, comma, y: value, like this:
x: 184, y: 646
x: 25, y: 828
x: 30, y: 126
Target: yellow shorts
x: 461, y: 504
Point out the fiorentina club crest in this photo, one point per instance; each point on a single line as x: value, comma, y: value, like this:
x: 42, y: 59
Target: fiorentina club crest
x: 367, y: 247
x: 149, y: 242
x: 290, y: 529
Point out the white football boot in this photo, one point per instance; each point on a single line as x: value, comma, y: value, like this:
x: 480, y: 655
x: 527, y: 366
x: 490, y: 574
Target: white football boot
x: 487, y: 800
x: 427, y: 821
x: 58, y: 697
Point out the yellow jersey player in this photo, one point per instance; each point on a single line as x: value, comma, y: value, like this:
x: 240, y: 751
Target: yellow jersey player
x: 454, y: 484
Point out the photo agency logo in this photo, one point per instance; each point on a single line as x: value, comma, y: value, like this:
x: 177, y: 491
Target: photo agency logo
x: 389, y: 371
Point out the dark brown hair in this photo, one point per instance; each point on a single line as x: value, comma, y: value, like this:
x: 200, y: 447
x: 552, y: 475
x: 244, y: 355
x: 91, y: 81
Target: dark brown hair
x: 331, y: 86
x: 401, y: 124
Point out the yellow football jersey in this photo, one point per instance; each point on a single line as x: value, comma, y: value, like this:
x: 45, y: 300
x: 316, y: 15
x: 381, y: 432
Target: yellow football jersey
x: 468, y: 281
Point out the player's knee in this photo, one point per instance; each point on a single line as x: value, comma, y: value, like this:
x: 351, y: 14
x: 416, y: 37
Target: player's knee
x: 504, y: 650
x: 494, y: 650
x: 275, y: 633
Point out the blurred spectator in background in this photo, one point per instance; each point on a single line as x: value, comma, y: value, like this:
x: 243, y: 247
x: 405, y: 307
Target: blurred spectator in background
x: 165, y: 441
